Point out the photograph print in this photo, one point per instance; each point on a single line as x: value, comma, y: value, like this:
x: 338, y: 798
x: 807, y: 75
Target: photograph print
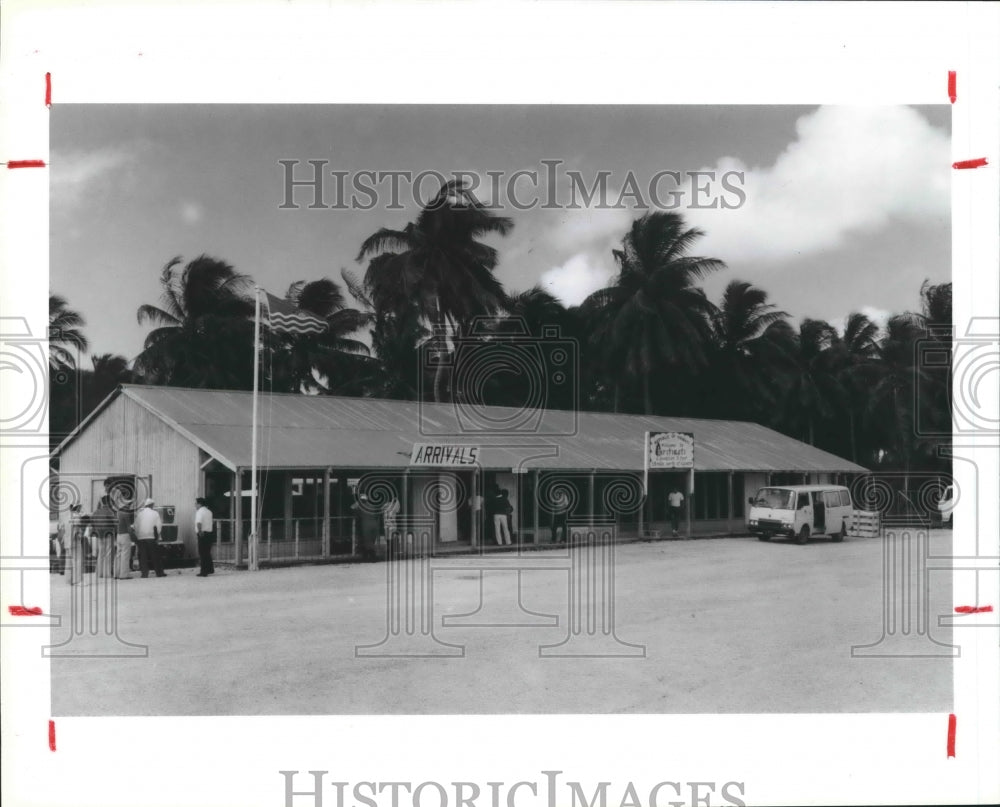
x: 500, y: 409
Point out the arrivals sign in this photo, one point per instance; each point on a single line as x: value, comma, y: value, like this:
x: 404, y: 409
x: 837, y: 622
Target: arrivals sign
x: 669, y: 450
x: 444, y: 455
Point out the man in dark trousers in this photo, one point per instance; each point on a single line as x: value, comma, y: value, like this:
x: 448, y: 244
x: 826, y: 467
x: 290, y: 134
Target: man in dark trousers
x: 675, y: 505
x: 147, y: 527
x: 204, y: 527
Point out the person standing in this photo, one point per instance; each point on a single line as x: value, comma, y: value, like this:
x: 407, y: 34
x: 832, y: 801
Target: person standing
x: 57, y: 546
x: 79, y: 544
x: 675, y: 502
x: 123, y: 547
x: 508, y: 509
x: 204, y: 527
x: 389, y: 514
x: 560, y: 518
x: 105, y: 526
x: 501, y: 509
x: 147, y: 526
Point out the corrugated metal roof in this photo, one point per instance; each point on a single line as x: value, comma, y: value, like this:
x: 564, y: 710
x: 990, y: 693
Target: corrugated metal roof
x: 303, y: 431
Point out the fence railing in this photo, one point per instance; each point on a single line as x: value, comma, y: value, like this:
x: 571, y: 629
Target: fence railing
x: 864, y: 524
x: 287, y: 539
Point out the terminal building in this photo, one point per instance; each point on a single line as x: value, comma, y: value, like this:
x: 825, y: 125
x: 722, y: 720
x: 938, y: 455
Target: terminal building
x: 439, y: 461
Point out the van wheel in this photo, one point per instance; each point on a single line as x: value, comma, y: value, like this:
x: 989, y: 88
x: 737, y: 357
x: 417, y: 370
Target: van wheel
x: 840, y: 536
x: 803, y: 536
x: 764, y: 537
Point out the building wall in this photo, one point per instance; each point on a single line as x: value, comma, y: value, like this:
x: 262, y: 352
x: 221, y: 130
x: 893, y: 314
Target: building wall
x: 126, y: 439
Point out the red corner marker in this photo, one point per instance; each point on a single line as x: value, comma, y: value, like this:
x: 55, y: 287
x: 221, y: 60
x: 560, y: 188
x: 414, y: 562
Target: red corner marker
x: 951, y: 736
x: 48, y: 90
x: 26, y: 163
x: 973, y: 609
x: 952, y: 84
x: 52, y: 735
x: 979, y: 162
x: 20, y: 610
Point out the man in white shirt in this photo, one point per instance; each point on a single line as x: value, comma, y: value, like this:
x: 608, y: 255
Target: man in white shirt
x: 675, y: 499
x: 147, y: 526
x: 204, y: 527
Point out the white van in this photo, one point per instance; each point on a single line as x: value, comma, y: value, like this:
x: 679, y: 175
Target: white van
x: 800, y: 511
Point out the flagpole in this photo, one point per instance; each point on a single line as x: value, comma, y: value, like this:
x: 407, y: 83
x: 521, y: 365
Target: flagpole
x: 252, y: 560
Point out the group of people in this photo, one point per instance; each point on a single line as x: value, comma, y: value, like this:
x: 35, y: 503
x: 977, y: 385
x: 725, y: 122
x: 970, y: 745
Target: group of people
x: 102, y: 535
x: 109, y: 536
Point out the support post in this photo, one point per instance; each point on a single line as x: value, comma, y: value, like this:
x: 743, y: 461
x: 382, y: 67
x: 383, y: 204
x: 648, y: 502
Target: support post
x: 642, y: 510
x: 286, y: 532
x: 690, y: 499
x: 538, y: 529
x: 236, y: 511
x: 590, y: 496
x: 474, y: 512
x: 326, y: 512
x: 253, y: 564
x: 729, y: 508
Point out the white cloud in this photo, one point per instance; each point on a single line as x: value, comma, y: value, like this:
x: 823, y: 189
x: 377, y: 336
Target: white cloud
x: 579, y: 277
x: 590, y: 235
x: 850, y: 170
x: 76, y: 173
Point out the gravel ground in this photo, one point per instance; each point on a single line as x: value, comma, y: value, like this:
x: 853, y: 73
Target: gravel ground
x: 728, y: 625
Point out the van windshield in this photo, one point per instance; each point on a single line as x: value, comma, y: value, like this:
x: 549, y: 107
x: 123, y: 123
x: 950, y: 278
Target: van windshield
x: 775, y: 498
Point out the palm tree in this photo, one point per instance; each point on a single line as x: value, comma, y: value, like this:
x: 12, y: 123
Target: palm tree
x: 936, y: 306
x: 901, y: 388
x: 394, y: 370
x: 751, y: 350
x: 936, y: 316
x: 814, y: 392
x: 204, y: 336
x: 653, y: 318
x: 300, y: 361
x: 506, y: 347
x: 437, y: 265
x: 109, y: 372
x: 64, y: 334
x: 858, y: 368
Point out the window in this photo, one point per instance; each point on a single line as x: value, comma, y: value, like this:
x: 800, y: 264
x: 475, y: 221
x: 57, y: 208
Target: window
x: 775, y: 498
x: 845, y: 498
x: 711, y: 495
x: 738, y: 495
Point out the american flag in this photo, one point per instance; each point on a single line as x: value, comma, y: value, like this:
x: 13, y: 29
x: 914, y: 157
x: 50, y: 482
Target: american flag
x: 286, y: 318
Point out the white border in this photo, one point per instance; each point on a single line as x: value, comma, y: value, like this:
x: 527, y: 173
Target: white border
x: 312, y: 52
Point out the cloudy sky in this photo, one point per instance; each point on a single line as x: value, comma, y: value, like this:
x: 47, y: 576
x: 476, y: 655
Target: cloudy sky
x: 839, y: 209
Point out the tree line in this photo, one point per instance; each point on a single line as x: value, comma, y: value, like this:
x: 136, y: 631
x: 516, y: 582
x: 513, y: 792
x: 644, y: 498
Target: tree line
x: 650, y: 342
